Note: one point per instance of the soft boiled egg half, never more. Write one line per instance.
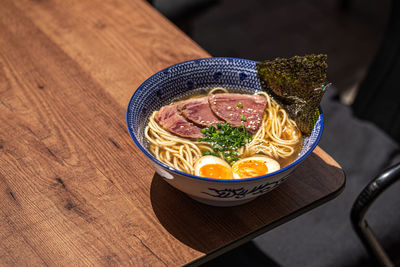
(213, 167)
(254, 166)
(217, 168)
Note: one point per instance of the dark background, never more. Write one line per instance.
(264, 30)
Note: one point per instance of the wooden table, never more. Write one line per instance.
(74, 189)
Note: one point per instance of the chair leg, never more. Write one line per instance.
(373, 246)
(375, 188)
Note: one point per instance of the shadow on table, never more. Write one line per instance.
(215, 230)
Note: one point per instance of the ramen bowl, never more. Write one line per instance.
(193, 78)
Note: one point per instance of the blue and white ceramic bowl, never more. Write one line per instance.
(194, 77)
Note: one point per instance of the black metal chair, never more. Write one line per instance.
(370, 193)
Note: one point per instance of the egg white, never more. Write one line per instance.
(206, 160)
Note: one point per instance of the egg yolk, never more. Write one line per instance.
(250, 168)
(215, 171)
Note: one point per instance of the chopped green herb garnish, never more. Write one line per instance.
(242, 117)
(239, 105)
(205, 153)
(225, 139)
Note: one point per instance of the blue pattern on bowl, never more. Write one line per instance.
(243, 192)
(191, 78)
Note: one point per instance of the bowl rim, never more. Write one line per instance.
(143, 150)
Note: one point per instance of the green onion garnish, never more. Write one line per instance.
(226, 140)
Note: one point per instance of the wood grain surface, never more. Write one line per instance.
(74, 189)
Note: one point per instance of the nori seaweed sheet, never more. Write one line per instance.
(297, 84)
